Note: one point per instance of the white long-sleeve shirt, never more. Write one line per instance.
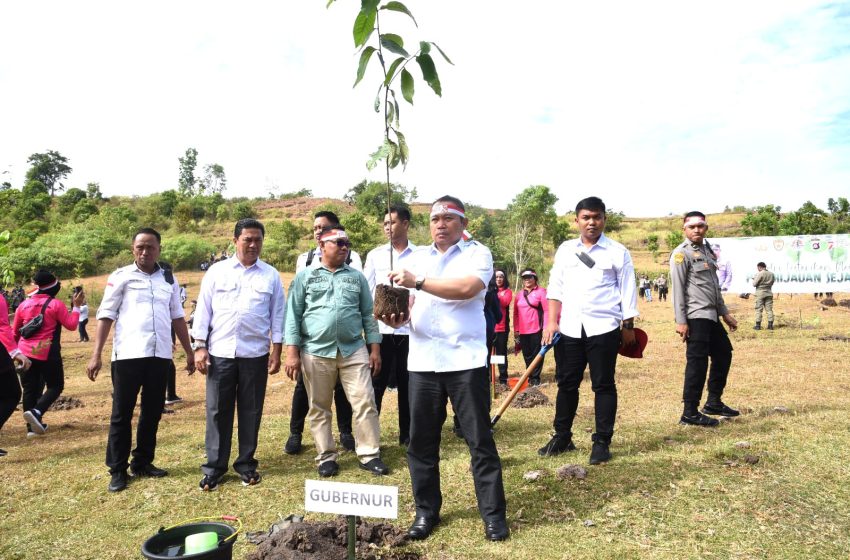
(596, 298)
(240, 309)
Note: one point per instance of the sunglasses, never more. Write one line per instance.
(339, 242)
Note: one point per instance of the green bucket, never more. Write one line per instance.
(192, 541)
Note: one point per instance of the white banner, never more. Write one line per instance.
(802, 264)
(363, 500)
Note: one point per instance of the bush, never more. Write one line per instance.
(242, 210)
(186, 251)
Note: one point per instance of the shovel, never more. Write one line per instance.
(531, 367)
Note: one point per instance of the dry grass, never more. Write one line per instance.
(669, 492)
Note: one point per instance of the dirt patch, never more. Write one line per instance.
(328, 541)
(66, 403)
(571, 471)
(844, 303)
(837, 337)
(829, 302)
(530, 398)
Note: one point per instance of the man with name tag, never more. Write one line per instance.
(447, 362)
(395, 343)
(592, 290)
(143, 300)
(698, 305)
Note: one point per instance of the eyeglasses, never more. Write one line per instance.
(339, 242)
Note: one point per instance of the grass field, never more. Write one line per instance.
(669, 492)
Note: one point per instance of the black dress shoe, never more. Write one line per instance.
(293, 445)
(328, 468)
(375, 466)
(698, 419)
(556, 446)
(149, 470)
(599, 453)
(118, 481)
(346, 440)
(422, 527)
(496, 530)
(719, 409)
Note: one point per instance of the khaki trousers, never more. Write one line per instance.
(320, 377)
(764, 301)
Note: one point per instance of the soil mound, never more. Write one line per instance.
(66, 403)
(530, 398)
(328, 541)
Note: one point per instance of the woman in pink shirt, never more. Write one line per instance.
(531, 310)
(503, 327)
(10, 389)
(43, 348)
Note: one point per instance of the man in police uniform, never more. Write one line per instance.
(143, 300)
(447, 362)
(763, 283)
(698, 305)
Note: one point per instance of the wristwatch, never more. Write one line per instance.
(198, 344)
(629, 324)
(419, 281)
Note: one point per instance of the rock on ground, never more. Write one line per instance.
(66, 403)
(328, 541)
(571, 471)
(530, 398)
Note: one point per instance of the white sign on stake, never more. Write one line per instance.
(497, 359)
(344, 498)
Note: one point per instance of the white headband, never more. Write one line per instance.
(695, 221)
(333, 234)
(446, 208)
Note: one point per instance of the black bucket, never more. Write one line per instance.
(168, 543)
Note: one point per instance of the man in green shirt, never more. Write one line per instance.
(330, 311)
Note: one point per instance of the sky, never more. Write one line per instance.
(657, 107)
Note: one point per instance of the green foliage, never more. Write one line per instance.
(370, 197)
(214, 180)
(674, 238)
(242, 210)
(186, 251)
(83, 210)
(7, 276)
(364, 232)
(67, 201)
(49, 169)
(613, 220)
(839, 215)
(296, 194)
(808, 220)
(33, 202)
(280, 247)
(93, 191)
(562, 230)
(761, 220)
(530, 219)
(652, 243)
(186, 179)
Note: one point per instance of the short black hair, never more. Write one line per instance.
(248, 223)
(453, 200)
(331, 228)
(400, 210)
(693, 213)
(148, 231)
(761, 265)
(590, 203)
(332, 217)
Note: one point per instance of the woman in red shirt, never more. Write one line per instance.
(503, 327)
(43, 348)
(531, 311)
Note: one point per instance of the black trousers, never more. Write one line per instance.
(301, 405)
(84, 336)
(530, 344)
(662, 294)
(234, 385)
(469, 393)
(171, 387)
(10, 389)
(129, 377)
(572, 356)
(394, 351)
(706, 339)
(43, 373)
(500, 343)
